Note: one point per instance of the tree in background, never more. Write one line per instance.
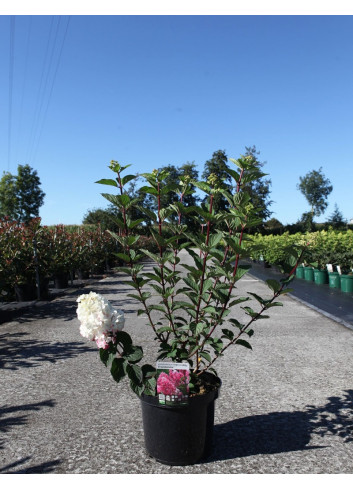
(259, 190)
(316, 188)
(8, 198)
(336, 220)
(218, 166)
(175, 175)
(273, 225)
(21, 195)
(104, 217)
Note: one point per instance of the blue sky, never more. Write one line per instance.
(77, 91)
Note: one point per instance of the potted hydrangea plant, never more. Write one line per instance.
(187, 306)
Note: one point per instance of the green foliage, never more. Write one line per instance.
(259, 189)
(316, 188)
(188, 305)
(50, 250)
(103, 217)
(322, 248)
(336, 219)
(21, 195)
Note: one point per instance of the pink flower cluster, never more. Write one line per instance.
(169, 384)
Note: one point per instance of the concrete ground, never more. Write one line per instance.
(284, 407)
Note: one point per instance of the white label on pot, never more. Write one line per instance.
(339, 269)
(173, 383)
(329, 267)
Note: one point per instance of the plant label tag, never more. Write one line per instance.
(329, 267)
(339, 269)
(173, 383)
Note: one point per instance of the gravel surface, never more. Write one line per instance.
(284, 407)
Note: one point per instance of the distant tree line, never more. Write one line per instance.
(216, 166)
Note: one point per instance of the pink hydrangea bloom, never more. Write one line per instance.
(169, 384)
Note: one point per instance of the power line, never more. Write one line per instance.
(52, 86)
(24, 82)
(11, 65)
(40, 95)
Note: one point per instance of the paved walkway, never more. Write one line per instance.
(284, 407)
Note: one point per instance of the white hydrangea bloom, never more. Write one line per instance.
(97, 316)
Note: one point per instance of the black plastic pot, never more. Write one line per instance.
(180, 435)
(61, 281)
(25, 292)
(82, 274)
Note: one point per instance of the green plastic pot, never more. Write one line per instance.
(320, 277)
(334, 280)
(300, 272)
(309, 274)
(347, 283)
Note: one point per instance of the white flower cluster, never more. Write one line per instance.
(99, 320)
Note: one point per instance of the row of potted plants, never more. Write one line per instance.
(328, 258)
(32, 254)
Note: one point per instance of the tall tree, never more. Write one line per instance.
(217, 166)
(259, 189)
(336, 220)
(8, 198)
(21, 195)
(175, 174)
(316, 188)
(104, 217)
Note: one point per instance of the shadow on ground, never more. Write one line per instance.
(65, 309)
(280, 432)
(12, 416)
(16, 351)
(44, 468)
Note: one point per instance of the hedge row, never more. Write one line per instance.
(32, 251)
(323, 247)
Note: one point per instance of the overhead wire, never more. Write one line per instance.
(40, 95)
(11, 71)
(24, 84)
(50, 66)
(52, 87)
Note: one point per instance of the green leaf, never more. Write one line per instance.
(236, 323)
(205, 355)
(123, 338)
(258, 298)
(107, 181)
(124, 200)
(273, 285)
(133, 354)
(244, 343)
(148, 371)
(242, 270)
(134, 296)
(154, 257)
(137, 388)
(156, 307)
(164, 329)
(202, 186)
(285, 291)
(149, 190)
(127, 178)
(214, 240)
(191, 283)
(134, 373)
(228, 333)
(123, 257)
(238, 301)
(118, 369)
(207, 284)
(104, 355)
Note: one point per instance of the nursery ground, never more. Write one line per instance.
(284, 407)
